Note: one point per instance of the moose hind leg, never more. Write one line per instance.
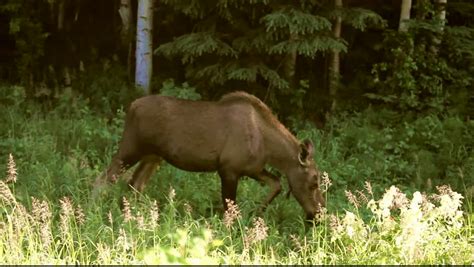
(275, 187)
(144, 171)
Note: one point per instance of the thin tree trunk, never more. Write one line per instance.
(404, 15)
(126, 16)
(440, 6)
(289, 64)
(335, 62)
(144, 53)
(61, 15)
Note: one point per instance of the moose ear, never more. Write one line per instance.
(306, 151)
(308, 146)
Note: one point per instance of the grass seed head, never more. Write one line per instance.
(11, 171)
(79, 214)
(6, 194)
(154, 214)
(40, 210)
(352, 199)
(368, 187)
(325, 182)
(126, 211)
(67, 211)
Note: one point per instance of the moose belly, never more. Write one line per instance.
(193, 161)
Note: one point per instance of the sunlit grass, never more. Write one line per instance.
(423, 229)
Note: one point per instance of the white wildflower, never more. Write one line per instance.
(354, 226)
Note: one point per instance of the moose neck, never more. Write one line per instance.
(283, 149)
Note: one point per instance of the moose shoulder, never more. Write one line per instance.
(235, 136)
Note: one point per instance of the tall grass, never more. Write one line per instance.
(47, 216)
(398, 230)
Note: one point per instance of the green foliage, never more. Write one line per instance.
(359, 18)
(294, 21)
(104, 87)
(414, 80)
(27, 29)
(195, 45)
(422, 73)
(184, 91)
(245, 44)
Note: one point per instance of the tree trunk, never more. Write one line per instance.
(125, 12)
(144, 53)
(404, 15)
(61, 15)
(335, 62)
(440, 13)
(289, 64)
(126, 16)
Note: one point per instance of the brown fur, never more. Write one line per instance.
(236, 136)
(263, 109)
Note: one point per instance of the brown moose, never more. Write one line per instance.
(235, 136)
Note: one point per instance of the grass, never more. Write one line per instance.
(47, 216)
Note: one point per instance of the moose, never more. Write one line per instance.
(236, 136)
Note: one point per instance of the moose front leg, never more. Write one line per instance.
(229, 183)
(275, 187)
(118, 165)
(144, 171)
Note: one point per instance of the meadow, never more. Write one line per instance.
(397, 193)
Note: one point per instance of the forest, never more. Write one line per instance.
(384, 89)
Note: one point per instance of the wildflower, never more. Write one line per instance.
(127, 213)
(231, 214)
(188, 207)
(352, 199)
(296, 242)
(171, 194)
(11, 171)
(67, 210)
(154, 214)
(325, 182)
(110, 218)
(79, 214)
(399, 199)
(140, 221)
(444, 189)
(122, 240)
(354, 227)
(368, 187)
(385, 204)
(449, 208)
(257, 233)
(362, 196)
(413, 228)
(372, 205)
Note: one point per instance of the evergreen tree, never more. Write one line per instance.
(263, 46)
